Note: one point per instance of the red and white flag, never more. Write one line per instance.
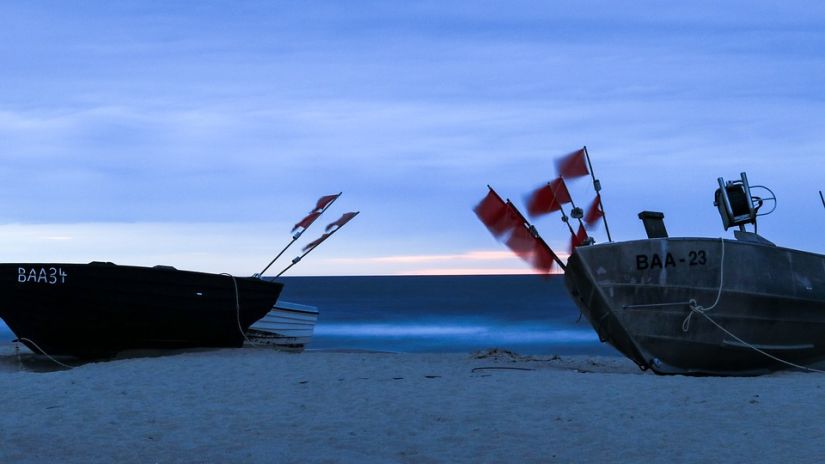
(548, 198)
(594, 212)
(309, 246)
(572, 165)
(345, 218)
(307, 221)
(324, 201)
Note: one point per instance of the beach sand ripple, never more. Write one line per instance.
(263, 406)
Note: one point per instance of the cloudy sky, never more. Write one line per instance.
(195, 134)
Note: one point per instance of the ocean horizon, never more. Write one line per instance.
(529, 314)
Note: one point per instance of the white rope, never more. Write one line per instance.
(44, 353)
(694, 307)
(698, 309)
(777, 359)
(238, 309)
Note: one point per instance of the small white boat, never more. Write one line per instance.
(287, 325)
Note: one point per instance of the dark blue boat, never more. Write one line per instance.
(99, 309)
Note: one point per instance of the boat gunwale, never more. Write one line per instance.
(708, 239)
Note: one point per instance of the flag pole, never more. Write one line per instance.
(535, 233)
(564, 217)
(296, 236)
(295, 261)
(576, 216)
(572, 212)
(566, 220)
(298, 259)
(598, 187)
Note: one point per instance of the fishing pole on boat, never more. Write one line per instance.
(822, 198)
(321, 205)
(333, 226)
(598, 187)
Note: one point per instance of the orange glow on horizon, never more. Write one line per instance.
(478, 271)
(476, 255)
(475, 262)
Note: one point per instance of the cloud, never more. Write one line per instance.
(245, 114)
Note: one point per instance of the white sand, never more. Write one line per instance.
(257, 405)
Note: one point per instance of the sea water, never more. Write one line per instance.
(525, 313)
(528, 314)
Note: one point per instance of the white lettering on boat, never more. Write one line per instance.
(43, 275)
(655, 261)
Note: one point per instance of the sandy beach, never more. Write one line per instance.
(263, 406)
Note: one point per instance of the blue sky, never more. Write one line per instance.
(196, 134)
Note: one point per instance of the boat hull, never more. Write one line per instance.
(99, 309)
(288, 325)
(638, 297)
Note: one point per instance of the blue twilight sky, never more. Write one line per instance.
(196, 133)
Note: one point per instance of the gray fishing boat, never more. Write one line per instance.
(703, 305)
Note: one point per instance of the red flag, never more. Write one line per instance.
(560, 191)
(316, 242)
(578, 239)
(522, 242)
(531, 249)
(544, 258)
(495, 214)
(594, 212)
(572, 165)
(542, 201)
(345, 218)
(307, 221)
(548, 198)
(324, 201)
